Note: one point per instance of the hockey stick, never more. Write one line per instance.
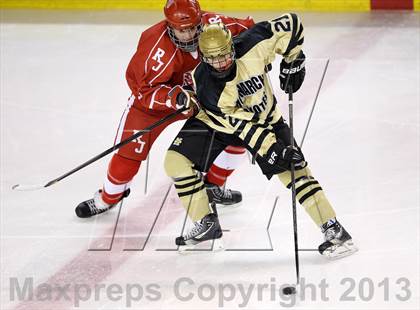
(292, 176)
(23, 187)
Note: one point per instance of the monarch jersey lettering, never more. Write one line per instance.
(249, 88)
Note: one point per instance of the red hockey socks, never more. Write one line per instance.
(225, 164)
(121, 171)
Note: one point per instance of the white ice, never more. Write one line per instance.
(62, 93)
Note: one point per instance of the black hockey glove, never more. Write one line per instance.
(293, 155)
(279, 155)
(292, 74)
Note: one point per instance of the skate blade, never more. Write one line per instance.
(215, 245)
(220, 206)
(340, 251)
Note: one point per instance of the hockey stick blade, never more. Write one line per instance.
(32, 187)
(22, 188)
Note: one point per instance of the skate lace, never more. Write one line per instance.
(332, 233)
(198, 227)
(224, 193)
(92, 207)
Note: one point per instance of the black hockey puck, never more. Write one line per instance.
(289, 290)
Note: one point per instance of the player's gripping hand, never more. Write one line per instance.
(293, 155)
(292, 74)
(284, 156)
(181, 98)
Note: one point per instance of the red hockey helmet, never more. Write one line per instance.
(185, 16)
(182, 14)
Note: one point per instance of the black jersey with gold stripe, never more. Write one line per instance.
(243, 103)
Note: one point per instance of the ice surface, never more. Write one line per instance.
(62, 93)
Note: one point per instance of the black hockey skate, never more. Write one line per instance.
(338, 242)
(206, 229)
(223, 197)
(95, 205)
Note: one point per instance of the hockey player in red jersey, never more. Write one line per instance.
(166, 54)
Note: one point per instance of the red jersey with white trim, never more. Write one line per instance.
(158, 65)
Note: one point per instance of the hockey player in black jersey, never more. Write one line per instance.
(238, 107)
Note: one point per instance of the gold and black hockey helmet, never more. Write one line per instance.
(215, 40)
(216, 46)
